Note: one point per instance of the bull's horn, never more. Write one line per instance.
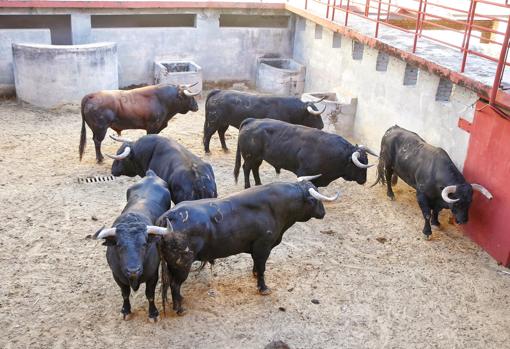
(188, 86)
(155, 230)
(482, 190)
(321, 197)
(368, 150)
(124, 154)
(447, 191)
(120, 139)
(190, 94)
(308, 178)
(104, 233)
(355, 159)
(315, 112)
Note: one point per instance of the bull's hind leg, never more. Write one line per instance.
(255, 168)
(260, 254)
(389, 180)
(246, 171)
(98, 137)
(150, 290)
(209, 130)
(425, 209)
(221, 133)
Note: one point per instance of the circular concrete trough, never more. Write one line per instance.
(51, 75)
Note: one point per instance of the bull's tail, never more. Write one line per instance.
(165, 281)
(238, 161)
(380, 172)
(83, 136)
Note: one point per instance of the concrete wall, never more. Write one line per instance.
(47, 75)
(226, 53)
(383, 99)
(7, 38)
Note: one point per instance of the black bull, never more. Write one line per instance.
(299, 149)
(132, 252)
(147, 108)
(252, 221)
(188, 177)
(230, 108)
(428, 169)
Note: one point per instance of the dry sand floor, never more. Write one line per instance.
(378, 283)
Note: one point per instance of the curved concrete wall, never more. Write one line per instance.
(50, 75)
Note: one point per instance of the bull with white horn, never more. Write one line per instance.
(251, 221)
(131, 242)
(438, 183)
(301, 150)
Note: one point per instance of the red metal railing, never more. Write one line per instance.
(429, 15)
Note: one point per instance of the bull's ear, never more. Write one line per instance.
(110, 241)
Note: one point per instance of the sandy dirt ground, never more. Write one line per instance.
(378, 283)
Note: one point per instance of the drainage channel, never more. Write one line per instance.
(96, 179)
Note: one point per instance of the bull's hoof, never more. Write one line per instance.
(181, 311)
(265, 292)
(436, 226)
(428, 237)
(100, 161)
(225, 150)
(254, 273)
(153, 320)
(126, 316)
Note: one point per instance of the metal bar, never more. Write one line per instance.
(418, 26)
(501, 66)
(465, 47)
(423, 17)
(347, 12)
(333, 11)
(367, 7)
(388, 11)
(327, 9)
(378, 20)
(306, 4)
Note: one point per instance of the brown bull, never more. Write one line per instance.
(147, 108)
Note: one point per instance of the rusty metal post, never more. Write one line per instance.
(424, 14)
(418, 26)
(306, 4)
(327, 9)
(367, 7)
(378, 19)
(388, 11)
(465, 46)
(347, 12)
(333, 11)
(501, 65)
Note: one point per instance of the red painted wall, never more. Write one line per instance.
(488, 163)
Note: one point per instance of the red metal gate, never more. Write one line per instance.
(488, 163)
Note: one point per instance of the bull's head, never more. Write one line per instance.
(130, 242)
(313, 207)
(358, 164)
(313, 115)
(459, 197)
(124, 163)
(187, 98)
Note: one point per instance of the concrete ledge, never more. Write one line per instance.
(49, 75)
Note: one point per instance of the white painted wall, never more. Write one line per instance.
(7, 38)
(383, 100)
(223, 53)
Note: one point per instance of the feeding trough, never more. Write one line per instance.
(280, 76)
(178, 73)
(338, 117)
